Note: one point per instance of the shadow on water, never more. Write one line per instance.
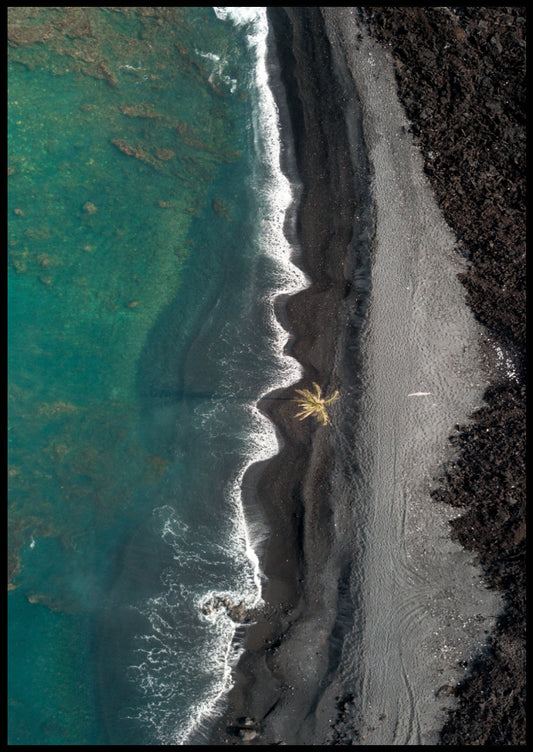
(162, 395)
(177, 371)
(142, 559)
(161, 366)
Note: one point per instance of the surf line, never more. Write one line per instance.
(277, 196)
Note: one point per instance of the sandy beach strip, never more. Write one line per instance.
(292, 489)
(358, 558)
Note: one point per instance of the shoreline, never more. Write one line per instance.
(292, 488)
(298, 610)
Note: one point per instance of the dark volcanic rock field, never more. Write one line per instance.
(461, 78)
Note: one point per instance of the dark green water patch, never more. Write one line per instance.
(120, 123)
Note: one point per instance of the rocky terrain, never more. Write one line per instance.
(461, 78)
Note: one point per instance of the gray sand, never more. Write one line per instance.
(391, 610)
(412, 605)
(423, 605)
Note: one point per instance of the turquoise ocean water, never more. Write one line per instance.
(146, 248)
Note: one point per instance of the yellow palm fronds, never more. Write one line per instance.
(313, 403)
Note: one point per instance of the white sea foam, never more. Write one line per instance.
(276, 192)
(187, 648)
(208, 55)
(276, 196)
(188, 644)
(218, 74)
(274, 201)
(126, 66)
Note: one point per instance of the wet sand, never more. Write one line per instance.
(293, 488)
(372, 611)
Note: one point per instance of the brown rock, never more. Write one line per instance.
(248, 735)
(133, 151)
(165, 154)
(445, 691)
(19, 264)
(220, 209)
(246, 721)
(140, 110)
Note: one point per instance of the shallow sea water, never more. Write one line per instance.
(146, 247)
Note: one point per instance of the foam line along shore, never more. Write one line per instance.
(358, 567)
(293, 487)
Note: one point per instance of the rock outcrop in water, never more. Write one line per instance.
(240, 613)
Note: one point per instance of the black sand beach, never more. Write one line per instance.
(292, 488)
(461, 81)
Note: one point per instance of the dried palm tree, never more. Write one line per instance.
(314, 403)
